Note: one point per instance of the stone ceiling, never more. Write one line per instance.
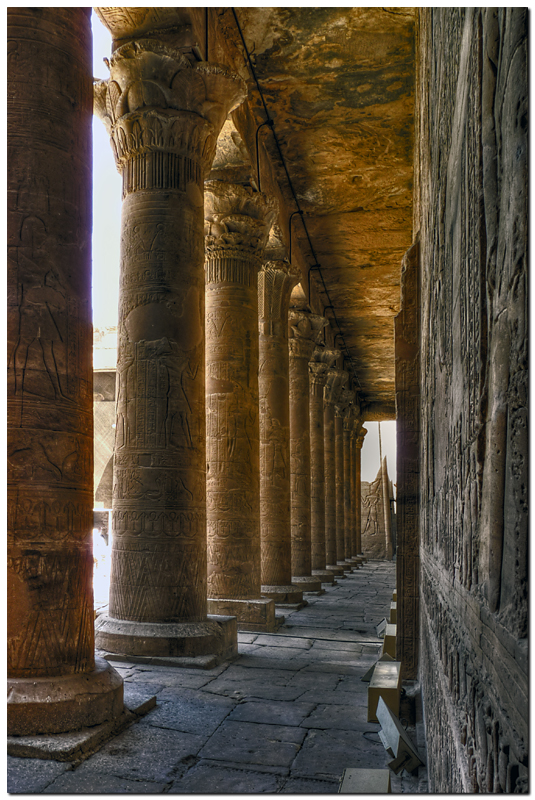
(339, 85)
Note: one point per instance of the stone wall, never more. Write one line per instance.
(375, 538)
(471, 213)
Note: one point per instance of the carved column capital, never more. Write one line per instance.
(326, 355)
(305, 332)
(275, 283)
(317, 374)
(360, 438)
(160, 110)
(336, 379)
(237, 223)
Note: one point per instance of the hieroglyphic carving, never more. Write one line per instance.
(163, 116)
(472, 457)
(276, 281)
(375, 505)
(49, 448)
(237, 223)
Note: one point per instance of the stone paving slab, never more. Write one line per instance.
(254, 743)
(32, 775)
(273, 712)
(324, 751)
(69, 783)
(309, 786)
(190, 711)
(142, 752)
(204, 779)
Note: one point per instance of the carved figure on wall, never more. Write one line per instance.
(371, 504)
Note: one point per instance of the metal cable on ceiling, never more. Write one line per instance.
(270, 122)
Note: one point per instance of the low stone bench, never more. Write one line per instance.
(385, 683)
(393, 612)
(389, 640)
(396, 741)
(365, 781)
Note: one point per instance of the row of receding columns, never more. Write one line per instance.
(233, 490)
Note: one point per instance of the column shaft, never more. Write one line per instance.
(276, 280)
(339, 481)
(158, 585)
(238, 222)
(347, 424)
(318, 373)
(301, 348)
(54, 683)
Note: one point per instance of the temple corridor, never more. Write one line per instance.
(287, 716)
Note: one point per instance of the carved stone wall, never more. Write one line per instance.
(472, 217)
(407, 343)
(374, 533)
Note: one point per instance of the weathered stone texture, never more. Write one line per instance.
(407, 343)
(275, 283)
(375, 536)
(472, 216)
(163, 116)
(53, 683)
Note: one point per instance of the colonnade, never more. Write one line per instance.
(236, 464)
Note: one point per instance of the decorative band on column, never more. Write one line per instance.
(236, 269)
(159, 170)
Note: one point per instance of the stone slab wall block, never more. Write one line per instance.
(54, 682)
(163, 114)
(471, 217)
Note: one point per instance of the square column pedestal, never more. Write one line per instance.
(252, 615)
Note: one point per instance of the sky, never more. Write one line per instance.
(106, 202)
(106, 238)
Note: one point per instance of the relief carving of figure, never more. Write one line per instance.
(41, 345)
(371, 504)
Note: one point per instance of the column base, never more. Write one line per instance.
(338, 572)
(252, 615)
(344, 564)
(216, 636)
(355, 563)
(307, 583)
(324, 575)
(284, 596)
(64, 703)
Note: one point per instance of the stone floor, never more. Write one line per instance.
(288, 716)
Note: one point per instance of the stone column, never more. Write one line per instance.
(55, 684)
(318, 369)
(275, 284)
(238, 221)
(347, 431)
(358, 479)
(330, 395)
(340, 410)
(304, 333)
(353, 471)
(164, 116)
